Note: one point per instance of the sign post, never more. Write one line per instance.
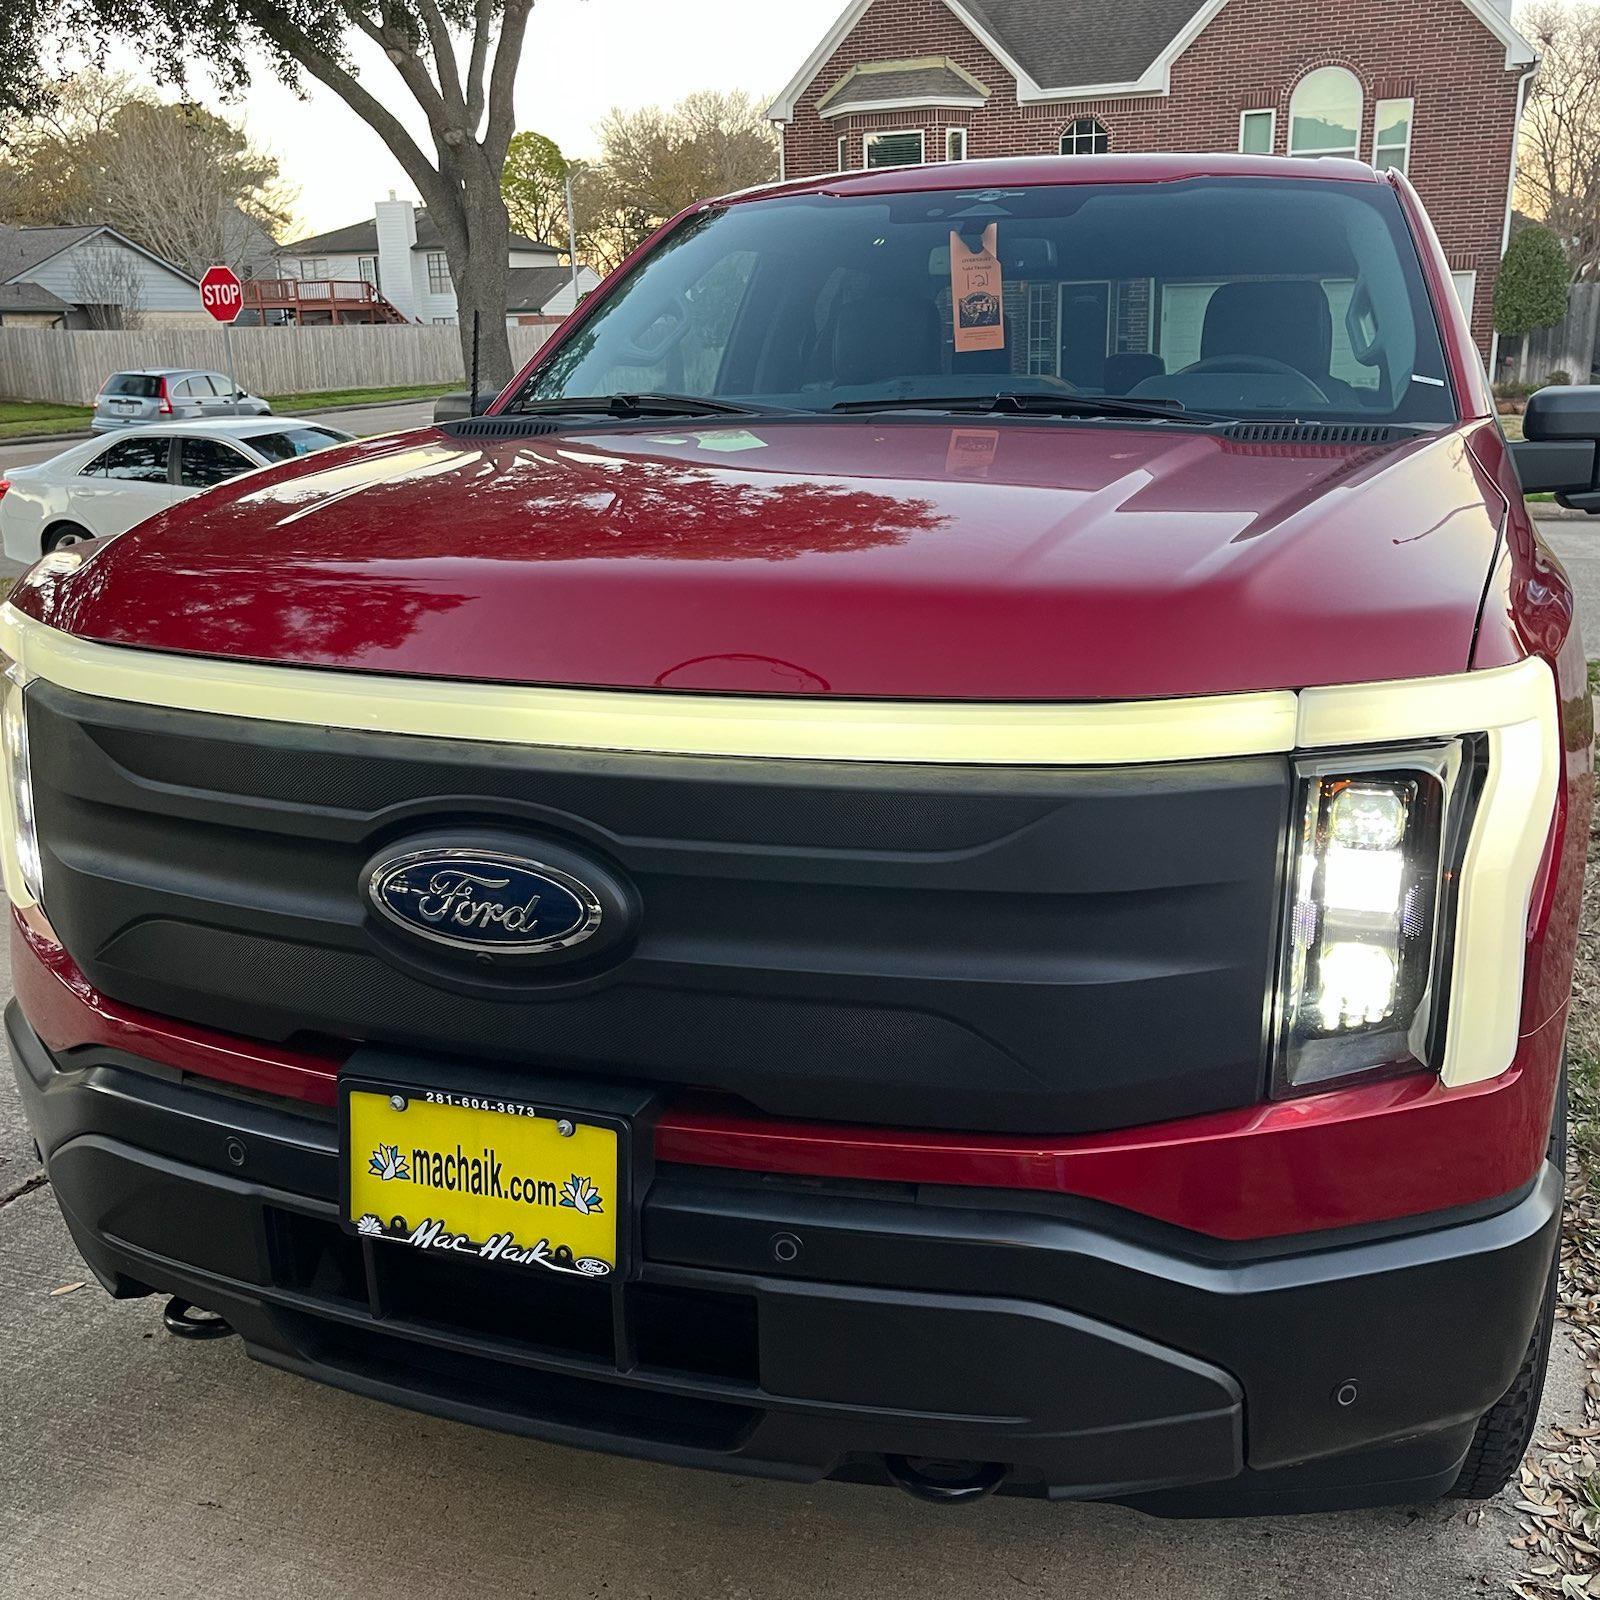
(222, 295)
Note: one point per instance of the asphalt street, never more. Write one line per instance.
(135, 1466)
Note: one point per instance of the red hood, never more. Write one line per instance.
(859, 558)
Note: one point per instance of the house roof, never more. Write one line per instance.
(1066, 49)
(361, 238)
(920, 80)
(1082, 41)
(531, 289)
(30, 297)
(24, 249)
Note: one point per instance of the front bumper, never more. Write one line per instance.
(1092, 1353)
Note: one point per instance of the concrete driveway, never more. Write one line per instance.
(1577, 543)
(135, 1466)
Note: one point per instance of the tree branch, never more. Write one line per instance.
(401, 51)
(503, 81)
(444, 60)
(482, 31)
(366, 105)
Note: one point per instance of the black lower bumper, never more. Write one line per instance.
(803, 1330)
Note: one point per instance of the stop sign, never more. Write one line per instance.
(220, 293)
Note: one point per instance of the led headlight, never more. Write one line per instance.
(19, 784)
(1367, 903)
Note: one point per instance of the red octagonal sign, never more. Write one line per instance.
(220, 293)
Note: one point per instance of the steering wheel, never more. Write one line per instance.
(1267, 365)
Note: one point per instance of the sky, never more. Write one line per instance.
(581, 58)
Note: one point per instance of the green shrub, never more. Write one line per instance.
(1558, 377)
(1531, 291)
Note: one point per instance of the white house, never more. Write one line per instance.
(82, 277)
(400, 253)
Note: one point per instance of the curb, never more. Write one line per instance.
(321, 411)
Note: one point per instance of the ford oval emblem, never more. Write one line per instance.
(484, 900)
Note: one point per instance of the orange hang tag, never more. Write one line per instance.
(975, 293)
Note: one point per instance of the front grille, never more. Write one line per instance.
(1009, 950)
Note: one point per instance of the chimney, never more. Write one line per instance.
(397, 233)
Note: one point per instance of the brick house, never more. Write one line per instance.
(1433, 86)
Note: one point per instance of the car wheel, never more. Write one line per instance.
(64, 534)
(1506, 1429)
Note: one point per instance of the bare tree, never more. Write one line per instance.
(184, 183)
(653, 163)
(181, 180)
(106, 282)
(1558, 172)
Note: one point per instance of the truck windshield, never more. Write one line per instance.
(1245, 297)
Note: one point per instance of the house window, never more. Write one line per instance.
(1044, 343)
(844, 153)
(1391, 139)
(893, 149)
(1258, 132)
(438, 272)
(1085, 136)
(1325, 114)
(1466, 287)
(955, 144)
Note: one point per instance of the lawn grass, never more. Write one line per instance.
(37, 416)
(287, 404)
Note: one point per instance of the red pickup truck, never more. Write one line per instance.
(840, 886)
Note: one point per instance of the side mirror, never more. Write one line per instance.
(1559, 452)
(453, 407)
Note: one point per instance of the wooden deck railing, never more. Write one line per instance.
(267, 294)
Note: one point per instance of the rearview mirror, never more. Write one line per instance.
(453, 407)
(1559, 452)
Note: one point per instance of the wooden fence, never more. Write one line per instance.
(68, 367)
(1569, 347)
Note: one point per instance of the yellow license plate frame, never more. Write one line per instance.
(483, 1178)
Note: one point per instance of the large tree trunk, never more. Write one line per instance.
(479, 264)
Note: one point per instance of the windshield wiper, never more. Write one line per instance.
(641, 405)
(1011, 403)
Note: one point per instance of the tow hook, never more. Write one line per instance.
(945, 1483)
(185, 1321)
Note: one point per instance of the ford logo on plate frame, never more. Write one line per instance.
(488, 901)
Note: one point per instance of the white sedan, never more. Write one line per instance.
(106, 485)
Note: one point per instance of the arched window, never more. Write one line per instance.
(1325, 114)
(1085, 136)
